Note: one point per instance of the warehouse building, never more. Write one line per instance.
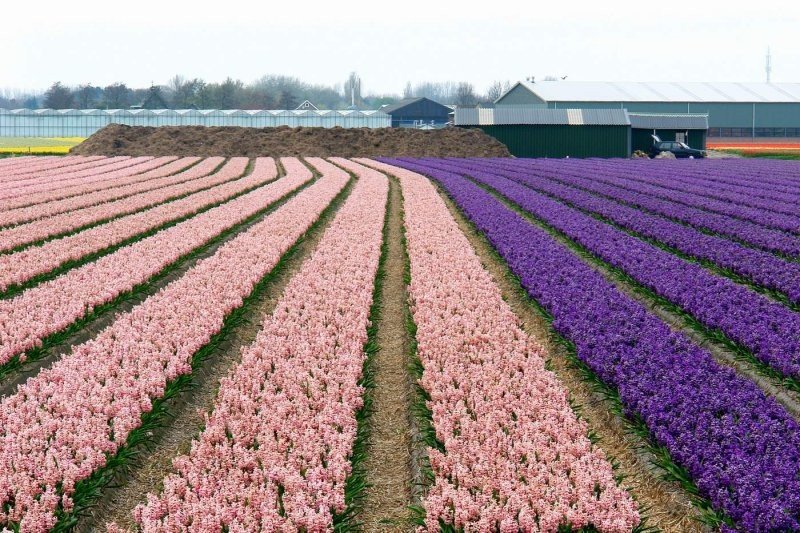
(542, 132)
(418, 112)
(734, 109)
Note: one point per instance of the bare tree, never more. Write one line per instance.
(496, 90)
(58, 96)
(408, 92)
(465, 94)
(352, 89)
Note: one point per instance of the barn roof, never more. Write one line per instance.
(662, 121)
(471, 116)
(390, 109)
(608, 91)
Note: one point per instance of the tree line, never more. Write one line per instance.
(267, 92)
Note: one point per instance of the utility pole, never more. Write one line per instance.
(769, 65)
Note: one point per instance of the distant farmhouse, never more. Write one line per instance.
(418, 113)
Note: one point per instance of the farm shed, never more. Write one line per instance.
(689, 129)
(541, 132)
(415, 112)
(754, 110)
(85, 122)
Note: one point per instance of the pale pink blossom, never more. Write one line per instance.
(54, 202)
(62, 223)
(284, 420)
(59, 426)
(19, 267)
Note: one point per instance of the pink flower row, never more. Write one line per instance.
(31, 166)
(97, 174)
(54, 305)
(274, 455)
(37, 168)
(62, 223)
(53, 202)
(61, 425)
(19, 267)
(515, 457)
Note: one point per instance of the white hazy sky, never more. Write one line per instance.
(390, 43)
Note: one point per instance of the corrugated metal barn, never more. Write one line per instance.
(689, 129)
(84, 122)
(417, 112)
(541, 132)
(733, 109)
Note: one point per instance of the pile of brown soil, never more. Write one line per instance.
(116, 139)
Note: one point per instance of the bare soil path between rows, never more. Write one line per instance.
(388, 465)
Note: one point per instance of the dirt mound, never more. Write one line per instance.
(117, 139)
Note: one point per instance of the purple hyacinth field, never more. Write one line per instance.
(676, 286)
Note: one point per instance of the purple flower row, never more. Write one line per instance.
(775, 175)
(762, 175)
(762, 268)
(741, 448)
(768, 329)
(709, 177)
(759, 217)
(632, 180)
(757, 236)
(676, 176)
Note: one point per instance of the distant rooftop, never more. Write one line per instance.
(608, 91)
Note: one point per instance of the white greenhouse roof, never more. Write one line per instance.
(201, 112)
(608, 91)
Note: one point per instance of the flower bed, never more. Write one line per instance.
(274, 454)
(741, 448)
(515, 456)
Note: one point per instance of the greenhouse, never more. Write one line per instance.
(84, 122)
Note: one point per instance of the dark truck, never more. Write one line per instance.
(679, 149)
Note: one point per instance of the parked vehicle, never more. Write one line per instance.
(679, 149)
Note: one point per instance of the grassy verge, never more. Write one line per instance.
(90, 490)
(61, 336)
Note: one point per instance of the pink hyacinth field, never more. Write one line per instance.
(234, 344)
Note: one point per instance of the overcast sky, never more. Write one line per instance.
(390, 43)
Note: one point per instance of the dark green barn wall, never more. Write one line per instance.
(562, 141)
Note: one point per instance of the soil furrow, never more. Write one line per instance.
(388, 467)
